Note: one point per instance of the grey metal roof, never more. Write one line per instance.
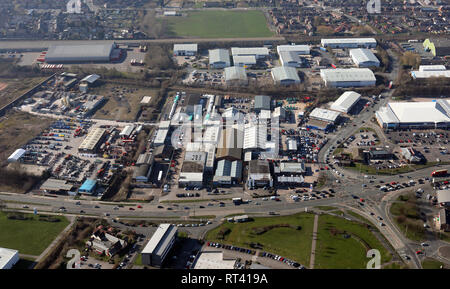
(289, 57)
(160, 239)
(79, 52)
(235, 73)
(361, 55)
(350, 74)
(345, 102)
(228, 168)
(283, 73)
(244, 59)
(185, 47)
(250, 51)
(219, 55)
(348, 41)
(262, 102)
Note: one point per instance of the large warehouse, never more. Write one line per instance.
(417, 74)
(363, 57)
(346, 101)
(349, 42)
(185, 49)
(299, 49)
(79, 53)
(285, 75)
(235, 75)
(326, 115)
(351, 77)
(432, 114)
(290, 58)
(156, 250)
(258, 52)
(244, 60)
(92, 141)
(219, 58)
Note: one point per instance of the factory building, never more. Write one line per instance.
(437, 47)
(433, 114)
(349, 42)
(285, 75)
(235, 75)
(262, 102)
(258, 52)
(259, 174)
(213, 260)
(244, 60)
(219, 58)
(161, 136)
(255, 136)
(346, 101)
(432, 68)
(88, 187)
(326, 115)
(192, 169)
(363, 57)
(56, 186)
(143, 167)
(279, 112)
(227, 172)
(298, 49)
(92, 141)
(85, 53)
(8, 258)
(159, 246)
(16, 155)
(230, 144)
(430, 73)
(290, 58)
(185, 49)
(351, 77)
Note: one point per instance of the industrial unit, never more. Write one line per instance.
(298, 49)
(213, 260)
(8, 258)
(219, 58)
(262, 102)
(364, 57)
(156, 250)
(259, 174)
(244, 60)
(285, 75)
(290, 58)
(433, 114)
(351, 77)
(346, 101)
(430, 73)
(92, 141)
(185, 49)
(227, 172)
(79, 53)
(349, 42)
(235, 75)
(258, 52)
(324, 115)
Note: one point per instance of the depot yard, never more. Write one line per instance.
(344, 244)
(18, 128)
(30, 236)
(13, 88)
(220, 24)
(123, 102)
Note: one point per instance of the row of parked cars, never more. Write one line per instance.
(229, 247)
(282, 259)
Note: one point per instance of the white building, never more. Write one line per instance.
(258, 52)
(244, 60)
(255, 136)
(219, 58)
(351, 77)
(156, 250)
(235, 75)
(349, 42)
(363, 57)
(290, 58)
(430, 73)
(432, 68)
(16, 155)
(324, 115)
(299, 49)
(346, 101)
(213, 260)
(161, 136)
(415, 114)
(285, 75)
(185, 49)
(8, 258)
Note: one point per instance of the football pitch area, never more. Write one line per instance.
(220, 24)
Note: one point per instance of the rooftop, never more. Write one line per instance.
(349, 74)
(160, 239)
(346, 101)
(213, 260)
(285, 73)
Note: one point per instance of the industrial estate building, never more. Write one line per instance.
(156, 250)
(324, 115)
(285, 75)
(364, 57)
(185, 49)
(258, 52)
(290, 58)
(262, 102)
(351, 77)
(219, 58)
(213, 260)
(16, 155)
(8, 258)
(259, 174)
(346, 101)
(80, 53)
(227, 172)
(235, 75)
(433, 114)
(244, 60)
(92, 141)
(298, 49)
(349, 42)
(430, 73)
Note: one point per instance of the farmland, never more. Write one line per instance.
(220, 24)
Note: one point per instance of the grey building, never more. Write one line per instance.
(157, 249)
(262, 102)
(79, 53)
(285, 75)
(219, 58)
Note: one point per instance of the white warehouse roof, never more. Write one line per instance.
(346, 101)
(432, 68)
(219, 55)
(240, 60)
(347, 75)
(235, 73)
(300, 49)
(91, 78)
(16, 155)
(427, 73)
(348, 41)
(160, 239)
(363, 56)
(324, 114)
(415, 112)
(79, 53)
(8, 257)
(285, 73)
(185, 47)
(261, 51)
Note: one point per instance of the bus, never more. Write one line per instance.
(439, 173)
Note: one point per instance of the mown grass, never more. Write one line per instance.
(407, 218)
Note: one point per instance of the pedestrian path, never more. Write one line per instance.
(314, 239)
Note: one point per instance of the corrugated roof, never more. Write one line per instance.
(348, 41)
(91, 78)
(92, 139)
(160, 239)
(324, 114)
(362, 55)
(345, 102)
(299, 49)
(244, 59)
(283, 73)
(185, 47)
(262, 102)
(16, 155)
(235, 73)
(427, 74)
(349, 74)
(250, 51)
(219, 55)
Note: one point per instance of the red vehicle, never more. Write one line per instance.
(439, 173)
(361, 200)
(139, 206)
(334, 66)
(419, 252)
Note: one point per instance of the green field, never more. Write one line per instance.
(429, 263)
(334, 251)
(290, 242)
(29, 236)
(220, 24)
(407, 218)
